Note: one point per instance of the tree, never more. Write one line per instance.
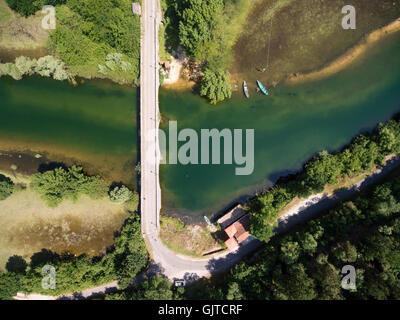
(290, 252)
(156, 288)
(197, 24)
(58, 184)
(388, 137)
(234, 292)
(23, 7)
(120, 194)
(215, 86)
(6, 187)
(130, 255)
(308, 243)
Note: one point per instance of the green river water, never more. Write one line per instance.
(292, 124)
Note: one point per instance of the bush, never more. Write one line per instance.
(47, 66)
(120, 194)
(6, 187)
(10, 284)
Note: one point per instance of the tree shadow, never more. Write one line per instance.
(224, 264)
(43, 256)
(16, 264)
(153, 270)
(43, 167)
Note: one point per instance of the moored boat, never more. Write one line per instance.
(262, 88)
(246, 90)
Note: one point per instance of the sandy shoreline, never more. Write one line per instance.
(22, 153)
(348, 57)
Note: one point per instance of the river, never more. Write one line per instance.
(95, 123)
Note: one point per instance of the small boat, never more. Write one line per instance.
(262, 88)
(246, 90)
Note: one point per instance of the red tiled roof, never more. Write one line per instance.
(231, 243)
(238, 231)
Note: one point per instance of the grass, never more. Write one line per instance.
(27, 225)
(188, 240)
(5, 12)
(305, 35)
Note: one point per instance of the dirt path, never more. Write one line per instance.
(307, 208)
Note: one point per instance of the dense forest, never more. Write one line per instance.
(306, 263)
(364, 152)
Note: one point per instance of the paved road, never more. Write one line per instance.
(169, 263)
(150, 192)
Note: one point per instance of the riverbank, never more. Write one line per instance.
(189, 240)
(349, 57)
(305, 209)
(93, 125)
(27, 157)
(356, 52)
(21, 36)
(28, 225)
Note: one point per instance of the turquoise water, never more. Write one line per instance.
(290, 126)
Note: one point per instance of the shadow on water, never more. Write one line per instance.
(43, 167)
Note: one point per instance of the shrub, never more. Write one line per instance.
(120, 194)
(47, 66)
(6, 187)
(10, 284)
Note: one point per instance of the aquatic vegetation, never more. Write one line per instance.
(47, 66)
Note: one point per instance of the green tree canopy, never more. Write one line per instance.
(216, 86)
(6, 187)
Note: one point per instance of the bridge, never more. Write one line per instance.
(169, 263)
